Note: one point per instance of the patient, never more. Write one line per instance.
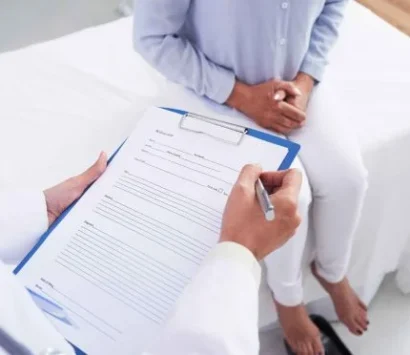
(264, 58)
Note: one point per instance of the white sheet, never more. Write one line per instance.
(65, 100)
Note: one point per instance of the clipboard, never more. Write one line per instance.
(234, 130)
(292, 147)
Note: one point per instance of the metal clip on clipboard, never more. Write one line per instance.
(226, 132)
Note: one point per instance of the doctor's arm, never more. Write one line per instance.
(156, 27)
(26, 214)
(218, 311)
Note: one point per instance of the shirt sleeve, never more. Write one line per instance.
(218, 311)
(156, 28)
(23, 219)
(324, 36)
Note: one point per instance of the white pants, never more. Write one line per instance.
(332, 160)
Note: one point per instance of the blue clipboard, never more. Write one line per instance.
(292, 147)
(293, 150)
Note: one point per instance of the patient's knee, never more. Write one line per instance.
(355, 179)
(349, 180)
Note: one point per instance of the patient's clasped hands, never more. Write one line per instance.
(276, 104)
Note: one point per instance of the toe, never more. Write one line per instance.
(365, 317)
(352, 326)
(355, 331)
(362, 305)
(362, 323)
(318, 347)
(303, 349)
(359, 327)
(299, 348)
(293, 346)
(309, 349)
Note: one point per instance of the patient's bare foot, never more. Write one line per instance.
(300, 332)
(349, 308)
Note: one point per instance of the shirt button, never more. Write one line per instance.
(282, 41)
(285, 5)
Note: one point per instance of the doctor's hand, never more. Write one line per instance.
(265, 104)
(59, 197)
(244, 222)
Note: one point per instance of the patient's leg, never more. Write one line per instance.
(333, 163)
(285, 281)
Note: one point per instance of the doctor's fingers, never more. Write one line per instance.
(93, 172)
(289, 189)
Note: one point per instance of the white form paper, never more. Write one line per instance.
(119, 260)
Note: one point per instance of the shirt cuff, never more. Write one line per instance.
(222, 86)
(313, 68)
(236, 253)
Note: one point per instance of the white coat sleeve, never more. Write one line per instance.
(218, 311)
(23, 218)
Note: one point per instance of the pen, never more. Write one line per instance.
(264, 201)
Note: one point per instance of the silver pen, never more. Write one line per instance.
(264, 201)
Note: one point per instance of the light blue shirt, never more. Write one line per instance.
(206, 44)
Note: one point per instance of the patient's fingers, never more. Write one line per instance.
(280, 95)
(286, 122)
(276, 127)
(289, 87)
(292, 112)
